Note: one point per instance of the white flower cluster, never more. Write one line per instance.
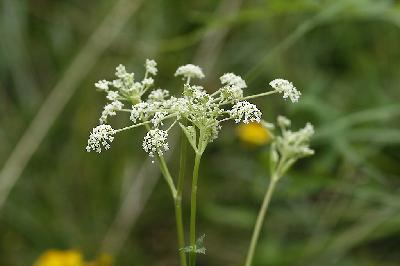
(102, 85)
(201, 112)
(287, 88)
(294, 144)
(110, 110)
(158, 95)
(190, 71)
(151, 67)
(101, 135)
(155, 141)
(246, 112)
(158, 118)
(139, 111)
(233, 89)
(125, 88)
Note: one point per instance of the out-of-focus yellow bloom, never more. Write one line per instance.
(71, 258)
(253, 133)
(60, 258)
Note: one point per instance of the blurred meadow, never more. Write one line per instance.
(338, 207)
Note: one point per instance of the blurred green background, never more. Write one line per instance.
(339, 207)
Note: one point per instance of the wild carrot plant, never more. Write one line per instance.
(200, 116)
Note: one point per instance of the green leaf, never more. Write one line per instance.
(198, 248)
(187, 249)
(190, 133)
(201, 250)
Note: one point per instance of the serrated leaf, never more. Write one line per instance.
(190, 133)
(200, 241)
(187, 249)
(201, 250)
(200, 245)
(198, 248)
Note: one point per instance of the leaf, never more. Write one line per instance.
(198, 248)
(190, 133)
(201, 250)
(200, 245)
(200, 241)
(187, 249)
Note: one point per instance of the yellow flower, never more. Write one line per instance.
(60, 258)
(253, 133)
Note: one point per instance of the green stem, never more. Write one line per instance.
(192, 257)
(260, 220)
(167, 175)
(178, 200)
(259, 95)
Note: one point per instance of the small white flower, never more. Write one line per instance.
(246, 112)
(196, 94)
(112, 95)
(139, 111)
(135, 88)
(151, 67)
(110, 110)
(155, 141)
(117, 83)
(148, 82)
(283, 121)
(189, 71)
(102, 85)
(287, 88)
(158, 118)
(233, 80)
(120, 71)
(158, 95)
(294, 144)
(177, 105)
(101, 135)
(233, 89)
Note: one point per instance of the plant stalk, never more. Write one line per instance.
(259, 95)
(192, 256)
(167, 176)
(178, 200)
(260, 220)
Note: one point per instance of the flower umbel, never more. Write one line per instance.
(190, 71)
(233, 89)
(246, 112)
(151, 67)
(155, 142)
(294, 144)
(102, 85)
(101, 135)
(290, 146)
(287, 88)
